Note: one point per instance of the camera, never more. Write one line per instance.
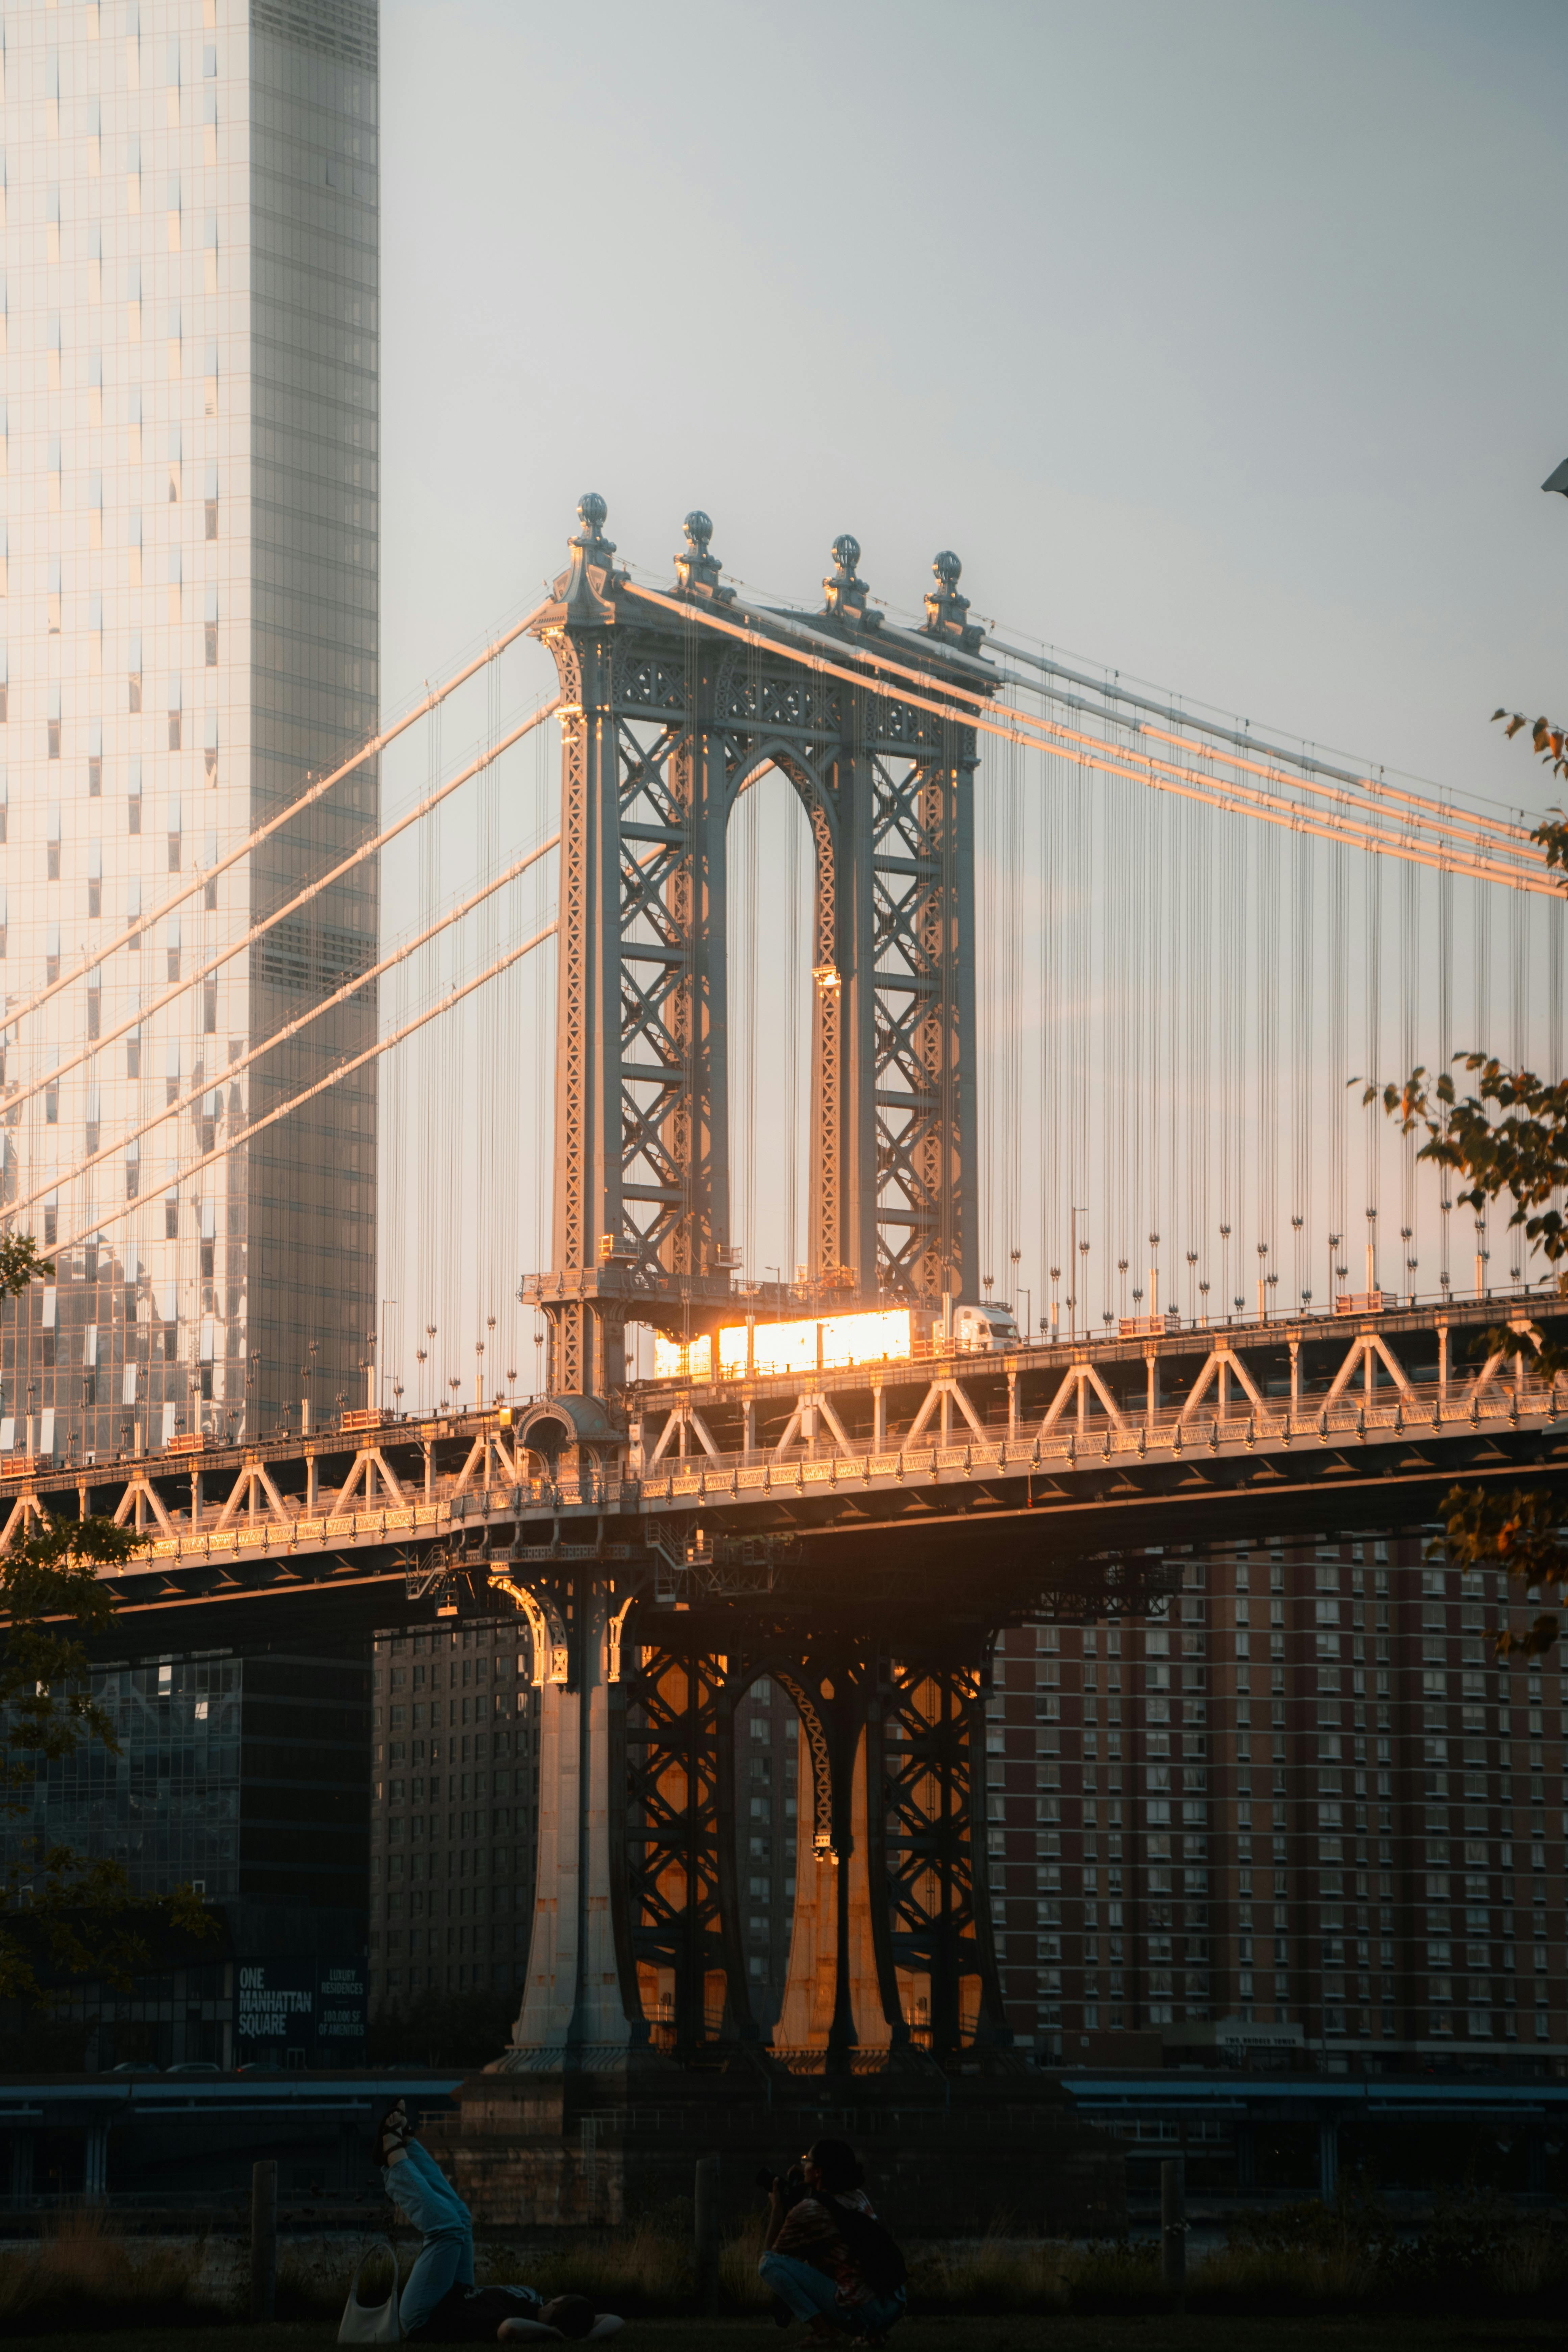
(791, 2185)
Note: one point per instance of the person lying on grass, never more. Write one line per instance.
(440, 2304)
(826, 2255)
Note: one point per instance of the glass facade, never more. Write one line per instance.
(246, 1778)
(167, 1806)
(188, 630)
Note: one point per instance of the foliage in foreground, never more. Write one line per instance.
(64, 1916)
(1477, 2254)
(1507, 1139)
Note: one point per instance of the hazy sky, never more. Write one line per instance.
(1225, 344)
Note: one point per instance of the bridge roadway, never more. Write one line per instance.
(1159, 1438)
(860, 1535)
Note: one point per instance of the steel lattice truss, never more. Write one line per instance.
(931, 1736)
(678, 1933)
(675, 1886)
(664, 725)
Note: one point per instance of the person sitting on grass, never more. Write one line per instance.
(440, 2304)
(827, 2257)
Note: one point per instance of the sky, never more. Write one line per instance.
(1224, 344)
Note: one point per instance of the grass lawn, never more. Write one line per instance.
(1048, 2333)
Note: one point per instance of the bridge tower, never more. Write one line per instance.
(672, 704)
(666, 719)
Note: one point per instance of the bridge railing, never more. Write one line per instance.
(1171, 1428)
(976, 1445)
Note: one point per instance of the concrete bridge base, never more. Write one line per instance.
(637, 1950)
(944, 2156)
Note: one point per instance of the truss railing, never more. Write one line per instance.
(985, 1452)
(257, 1517)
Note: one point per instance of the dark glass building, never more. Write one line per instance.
(246, 1778)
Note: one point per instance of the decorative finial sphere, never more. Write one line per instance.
(845, 550)
(698, 530)
(947, 568)
(591, 509)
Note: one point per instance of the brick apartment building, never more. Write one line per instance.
(454, 1802)
(1306, 1805)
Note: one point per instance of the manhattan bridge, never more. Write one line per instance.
(852, 1476)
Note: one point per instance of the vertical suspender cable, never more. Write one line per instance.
(1444, 1057)
(1339, 1072)
(1372, 1115)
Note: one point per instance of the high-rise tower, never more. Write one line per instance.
(190, 628)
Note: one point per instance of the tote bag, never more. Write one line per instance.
(372, 2323)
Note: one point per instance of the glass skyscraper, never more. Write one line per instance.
(188, 630)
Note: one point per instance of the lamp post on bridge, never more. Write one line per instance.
(1074, 1247)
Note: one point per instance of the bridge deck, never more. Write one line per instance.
(1044, 1430)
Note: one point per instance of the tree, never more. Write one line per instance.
(61, 1916)
(1548, 739)
(1507, 1138)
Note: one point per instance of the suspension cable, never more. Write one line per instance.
(1457, 818)
(454, 995)
(1137, 767)
(368, 751)
(399, 954)
(291, 906)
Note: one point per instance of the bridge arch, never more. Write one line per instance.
(568, 1434)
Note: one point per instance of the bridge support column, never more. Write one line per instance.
(839, 1995)
(637, 1929)
(833, 1996)
(892, 1936)
(574, 2013)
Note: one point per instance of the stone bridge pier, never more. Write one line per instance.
(636, 1943)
